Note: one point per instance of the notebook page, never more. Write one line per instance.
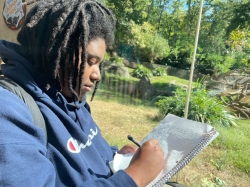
(177, 137)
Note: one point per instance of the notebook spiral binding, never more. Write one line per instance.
(186, 159)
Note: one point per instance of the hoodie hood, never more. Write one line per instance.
(75, 154)
(18, 68)
(23, 72)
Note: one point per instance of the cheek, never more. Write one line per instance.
(85, 77)
(87, 71)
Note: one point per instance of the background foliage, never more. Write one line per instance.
(163, 31)
(203, 107)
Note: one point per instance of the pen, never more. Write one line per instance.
(134, 141)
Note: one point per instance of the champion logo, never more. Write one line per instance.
(74, 147)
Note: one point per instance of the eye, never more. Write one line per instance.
(93, 61)
(90, 62)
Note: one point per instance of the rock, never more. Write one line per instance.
(132, 65)
(117, 70)
(148, 65)
(145, 89)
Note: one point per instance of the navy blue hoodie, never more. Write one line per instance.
(75, 155)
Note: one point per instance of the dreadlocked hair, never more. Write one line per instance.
(53, 32)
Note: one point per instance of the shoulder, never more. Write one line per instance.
(10, 101)
(16, 121)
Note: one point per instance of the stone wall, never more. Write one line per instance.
(181, 73)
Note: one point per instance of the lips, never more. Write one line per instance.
(87, 88)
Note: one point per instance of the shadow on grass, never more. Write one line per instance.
(165, 86)
(126, 91)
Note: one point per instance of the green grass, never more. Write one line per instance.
(119, 114)
(234, 143)
(226, 158)
(162, 83)
(161, 80)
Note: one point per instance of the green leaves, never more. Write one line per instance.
(203, 107)
(140, 71)
(160, 71)
(147, 43)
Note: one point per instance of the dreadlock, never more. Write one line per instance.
(53, 32)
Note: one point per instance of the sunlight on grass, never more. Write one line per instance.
(168, 79)
(117, 121)
(236, 141)
(227, 158)
(118, 114)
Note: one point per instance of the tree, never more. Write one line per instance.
(240, 17)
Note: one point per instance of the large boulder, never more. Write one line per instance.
(145, 89)
(129, 64)
(148, 65)
(117, 70)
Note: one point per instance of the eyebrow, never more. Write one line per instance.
(94, 56)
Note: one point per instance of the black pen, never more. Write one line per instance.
(134, 141)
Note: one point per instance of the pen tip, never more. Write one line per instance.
(130, 137)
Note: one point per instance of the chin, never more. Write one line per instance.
(82, 97)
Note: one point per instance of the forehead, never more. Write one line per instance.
(97, 44)
(96, 47)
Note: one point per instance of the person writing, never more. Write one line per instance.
(59, 60)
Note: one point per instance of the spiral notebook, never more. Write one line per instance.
(181, 140)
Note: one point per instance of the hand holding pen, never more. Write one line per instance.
(134, 141)
(128, 148)
(147, 161)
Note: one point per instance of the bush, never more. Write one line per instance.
(241, 60)
(117, 60)
(210, 61)
(148, 45)
(107, 56)
(140, 71)
(202, 107)
(179, 56)
(160, 71)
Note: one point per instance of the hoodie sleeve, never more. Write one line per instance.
(23, 160)
(114, 149)
(119, 179)
(22, 146)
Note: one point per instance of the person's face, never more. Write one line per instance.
(95, 54)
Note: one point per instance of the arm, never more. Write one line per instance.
(23, 151)
(22, 145)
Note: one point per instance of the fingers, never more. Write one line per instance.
(127, 149)
(147, 163)
(153, 144)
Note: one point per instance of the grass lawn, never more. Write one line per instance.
(226, 160)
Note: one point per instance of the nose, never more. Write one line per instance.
(95, 74)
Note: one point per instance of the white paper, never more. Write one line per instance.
(120, 162)
(178, 137)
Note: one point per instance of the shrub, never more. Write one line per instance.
(179, 56)
(117, 60)
(140, 71)
(241, 60)
(148, 45)
(107, 56)
(160, 71)
(210, 61)
(202, 107)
